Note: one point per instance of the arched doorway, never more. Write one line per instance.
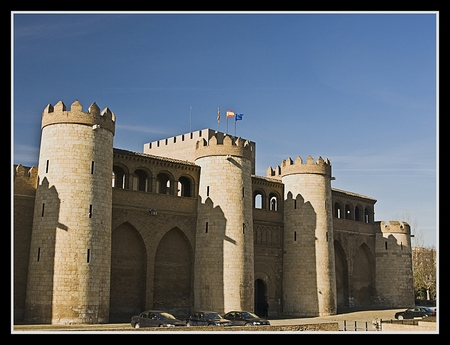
(128, 273)
(261, 306)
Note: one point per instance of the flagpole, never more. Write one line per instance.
(190, 119)
(235, 125)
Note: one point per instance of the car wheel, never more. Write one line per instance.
(137, 325)
(400, 317)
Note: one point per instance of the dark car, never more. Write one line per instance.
(155, 318)
(207, 318)
(245, 318)
(415, 313)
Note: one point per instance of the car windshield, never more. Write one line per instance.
(212, 316)
(248, 315)
(167, 316)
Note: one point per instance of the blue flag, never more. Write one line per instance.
(238, 117)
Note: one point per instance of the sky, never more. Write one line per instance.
(358, 88)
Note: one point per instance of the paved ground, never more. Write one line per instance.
(350, 321)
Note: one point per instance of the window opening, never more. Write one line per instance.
(295, 236)
(88, 258)
(39, 254)
(207, 190)
(43, 209)
(46, 166)
(90, 211)
(206, 227)
(92, 167)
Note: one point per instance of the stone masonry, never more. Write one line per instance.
(102, 233)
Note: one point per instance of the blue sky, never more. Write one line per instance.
(357, 88)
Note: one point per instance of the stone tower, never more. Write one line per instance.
(224, 259)
(309, 286)
(69, 268)
(394, 264)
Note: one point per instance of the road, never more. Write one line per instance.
(351, 321)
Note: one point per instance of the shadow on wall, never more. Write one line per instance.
(39, 306)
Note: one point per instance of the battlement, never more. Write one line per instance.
(229, 146)
(289, 167)
(25, 179)
(395, 227)
(93, 117)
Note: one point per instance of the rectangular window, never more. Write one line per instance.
(43, 210)
(88, 257)
(243, 192)
(295, 204)
(295, 236)
(243, 228)
(327, 236)
(207, 190)
(206, 227)
(39, 254)
(92, 167)
(90, 211)
(46, 166)
(385, 245)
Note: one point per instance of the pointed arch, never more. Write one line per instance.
(341, 268)
(128, 272)
(363, 276)
(173, 273)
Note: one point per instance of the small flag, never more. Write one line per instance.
(230, 113)
(238, 117)
(218, 114)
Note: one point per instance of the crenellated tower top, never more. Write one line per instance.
(93, 117)
(395, 226)
(227, 147)
(288, 167)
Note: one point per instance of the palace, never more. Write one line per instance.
(102, 233)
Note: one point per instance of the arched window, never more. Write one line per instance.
(358, 213)
(273, 202)
(142, 180)
(258, 199)
(118, 177)
(338, 210)
(163, 184)
(184, 186)
(348, 212)
(367, 215)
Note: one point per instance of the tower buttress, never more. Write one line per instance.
(224, 256)
(309, 287)
(69, 268)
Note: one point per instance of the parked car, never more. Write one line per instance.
(155, 318)
(207, 318)
(415, 313)
(245, 318)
